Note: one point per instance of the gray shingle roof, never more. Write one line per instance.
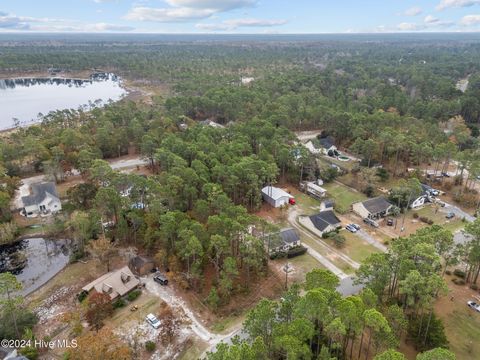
(376, 205)
(289, 236)
(39, 192)
(323, 219)
(327, 142)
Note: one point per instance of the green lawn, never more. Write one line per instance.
(463, 331)
(342, 265)
(304, 264)
(307, 204)
(440, 219)
(343, 196)
(355, 248)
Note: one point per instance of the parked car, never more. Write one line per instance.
(390, 222)
(292, 201)
(473, 305)
(441, 203)
(434, 192)
(351, 228)
(161, 279)
(450, 215)
(444, 174)
(370, 222)
(152, 320)
(356, 226)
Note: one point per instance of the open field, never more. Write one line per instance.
(301, 266)
(337, 261)
(412, 225)
(462, 324)
(343, 196)
(355, 248)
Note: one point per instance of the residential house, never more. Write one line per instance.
(284, 240)
(374, 208)
(115, 284)
(141, 265)
(275, 196)
(328, 146)
(325, 221)
(43, 199)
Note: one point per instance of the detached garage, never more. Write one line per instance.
(275, 196)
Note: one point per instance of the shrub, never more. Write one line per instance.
(448, 272)
(426, 220)
(82, 296)
(474, 287)
(133, 295)
(459, 273)
(382, 174)
(296, 251)
(415, 215)
(339, 240)
(150, 346)
(369, 191)
(119, 303)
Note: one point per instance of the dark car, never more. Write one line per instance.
(450, 215)
(390, 222)
(161, 279)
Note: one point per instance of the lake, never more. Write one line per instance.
(25, 98)
(34, 261)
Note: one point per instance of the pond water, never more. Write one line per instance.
(23, 99)
(34, 261)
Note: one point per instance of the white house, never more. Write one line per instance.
(275, 196)
(325, 221)
(373, 208)
(43, 199)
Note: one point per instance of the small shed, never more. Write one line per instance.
(141, 265)
(275, 196)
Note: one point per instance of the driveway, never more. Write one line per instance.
(167, 294)
(457, 211)
(371, 240)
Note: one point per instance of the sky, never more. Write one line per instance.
(240, 16)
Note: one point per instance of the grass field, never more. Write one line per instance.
(463, 332)
(355, 247)
(343, 196)
(440, 219)
(307, 204)
(338, 262)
